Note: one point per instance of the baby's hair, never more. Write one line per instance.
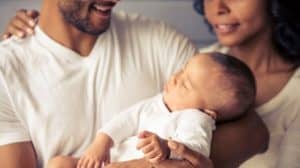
(239, 81)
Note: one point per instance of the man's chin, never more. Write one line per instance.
(94, 31)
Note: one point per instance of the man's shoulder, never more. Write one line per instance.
(14, 52)
(139, 23)
(133, 18)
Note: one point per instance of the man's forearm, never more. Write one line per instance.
(143, 163)
(173, 164)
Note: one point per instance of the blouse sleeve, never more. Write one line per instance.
(290, 146)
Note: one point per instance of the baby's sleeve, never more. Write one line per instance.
(194, 130)
(123, 125)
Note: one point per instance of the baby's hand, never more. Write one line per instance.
(96, 154)
(154, 148)
(92, 159)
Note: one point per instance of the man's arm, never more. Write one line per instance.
(235, 142)
(18, 155)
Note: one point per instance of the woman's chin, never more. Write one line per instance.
(229, 42)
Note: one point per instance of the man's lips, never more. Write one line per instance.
(103, 7)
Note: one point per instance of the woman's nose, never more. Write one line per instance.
(222, 7)
(219, 7)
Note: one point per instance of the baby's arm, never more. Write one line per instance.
(154, 148)
(97, 152)
(119, 128)
(194, 129)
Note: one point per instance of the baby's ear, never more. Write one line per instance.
(212, 113)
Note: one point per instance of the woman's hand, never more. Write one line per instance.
(196, 160)
(22, 24)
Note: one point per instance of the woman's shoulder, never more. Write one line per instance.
(297, 73)
(294, 83)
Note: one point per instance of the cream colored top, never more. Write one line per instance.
(282, 117)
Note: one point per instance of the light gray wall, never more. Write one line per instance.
(178, 13)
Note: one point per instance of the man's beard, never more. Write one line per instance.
(72, 16)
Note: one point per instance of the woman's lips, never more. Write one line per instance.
(226, 28)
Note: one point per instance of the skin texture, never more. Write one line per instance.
(249, 37)
(239, 20)
(254, 49)
(18, 155)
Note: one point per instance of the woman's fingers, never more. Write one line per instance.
(196, 159)
(24, 20)
(14, 30)
(5, 36)
(33, 14)
(22, 24)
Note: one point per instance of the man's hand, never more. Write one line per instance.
(22, 24)
(154, 148)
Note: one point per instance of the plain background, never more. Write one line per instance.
(179, 13)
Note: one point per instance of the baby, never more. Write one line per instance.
(210, 88)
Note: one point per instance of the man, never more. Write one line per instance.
(82, 66)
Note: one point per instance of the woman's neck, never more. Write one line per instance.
(260, 55)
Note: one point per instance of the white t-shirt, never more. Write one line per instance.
(191, 127)
(57, 99)
(281, 114)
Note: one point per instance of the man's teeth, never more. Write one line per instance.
(101, 8)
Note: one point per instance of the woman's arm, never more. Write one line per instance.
(18, 155)
(235, 142)
(191, 159)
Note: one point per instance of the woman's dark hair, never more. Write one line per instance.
(286, 27)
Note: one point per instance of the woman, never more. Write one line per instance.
(259, 33)
(264, 34)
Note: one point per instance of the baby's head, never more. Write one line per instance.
(212, 81)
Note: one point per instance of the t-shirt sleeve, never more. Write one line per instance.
(290, 147)
(194, 130)
(11, 129)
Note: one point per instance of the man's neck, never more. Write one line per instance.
(54, 25)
